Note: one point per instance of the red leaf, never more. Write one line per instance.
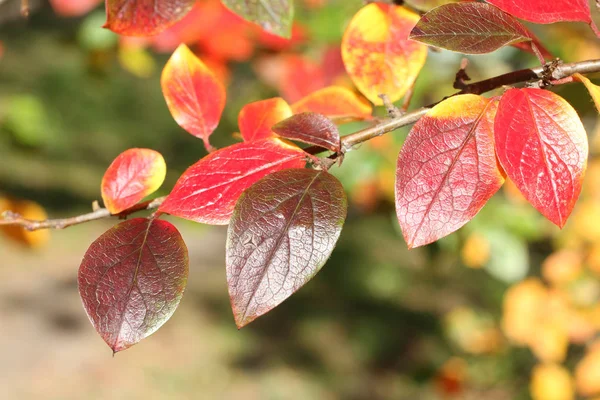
(256, 119)
(447, 169)
(208, 190)
(547, 12)
(469, 28)
(194, 96)
(133, 175)
(311, 128)
(542, 146)
(131, 280)
(282, 231)
(335, 102)
(144, 17)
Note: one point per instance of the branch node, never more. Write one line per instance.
(393, 111)
(461, 76)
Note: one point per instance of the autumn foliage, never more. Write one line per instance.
(284, 209)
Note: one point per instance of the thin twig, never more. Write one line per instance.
(11, 218)
(553, 72)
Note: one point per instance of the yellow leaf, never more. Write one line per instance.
(593, 89)
(377, 53)
(26, 209)
(587, 372)
(551, 382)
(476, 251)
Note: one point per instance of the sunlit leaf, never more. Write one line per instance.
(542, 146)
(587, 372)
(275, 16)
(447, 169)
(256, 119)
(132, 278)
(551, 382)
(335, 102)
(547, 12)
(470, 28)
(522, 310)
(144, 17)
(282, 232)
(208, 190)
(593, 89)
(377, 53)
(194, 96)
(133, 175)
(26, 209)
(311, 128)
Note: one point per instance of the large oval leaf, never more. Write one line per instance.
(133, 175)
(377, 53)
(132, 278)
(275, 16)
(283, 230)
(447, 169)
(256, 119)
(543, 147)
(311, 128)
(208, 190)
(469, 28)
(144, 17)
(195, 97)
(335, 102)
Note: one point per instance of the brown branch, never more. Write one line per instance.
(550, 73)
(11, 218)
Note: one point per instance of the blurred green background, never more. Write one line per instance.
(378, 322)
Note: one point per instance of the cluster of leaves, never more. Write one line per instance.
(284, 219)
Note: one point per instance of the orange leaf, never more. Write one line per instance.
(542, 146)
(133, 175)
(26, 209)
(335, 102)
(195, 97)
(593, 89)
(144, 17)
(447, 169)
(256, 119)
(377, 53)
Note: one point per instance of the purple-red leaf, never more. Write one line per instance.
(542, 146)
(282, 231)
(131, 280)
(208, 190)
(447, 169)
(144, 17)
(195, 97)
(470, 28)
(311, 128)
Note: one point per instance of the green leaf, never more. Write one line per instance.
(282, 231)
(274, 16)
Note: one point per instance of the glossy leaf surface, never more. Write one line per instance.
(283, 230)
(256, 119)
(133, 175)
(469, 28)
(447, 169)
(594, 90)
(335, 102)
(195, 97)
(144, 17)
(274, 16)
(208, 190)
(311, 128)
(377, 53)
(542, 146)
(132, 278)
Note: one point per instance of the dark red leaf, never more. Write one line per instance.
(311, 128)
(282, 231)
(131, 280)
(208, 190)
(447, 169)
(542, 146)
(144, 17)
(470, 28)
